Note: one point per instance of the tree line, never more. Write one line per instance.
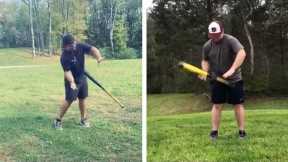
(177, 30)
(113, 26)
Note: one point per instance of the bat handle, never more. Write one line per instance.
(219, 79)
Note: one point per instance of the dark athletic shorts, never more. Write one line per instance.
(81, 92)
(221, 93)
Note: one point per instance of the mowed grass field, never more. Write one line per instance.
(30, 98)
(179, 127)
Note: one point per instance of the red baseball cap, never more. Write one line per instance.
(215, 30)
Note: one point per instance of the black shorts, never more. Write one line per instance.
(81, 92)
(221, 93)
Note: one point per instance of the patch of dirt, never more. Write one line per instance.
(4, 157)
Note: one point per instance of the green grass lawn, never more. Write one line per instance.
(182, 132)
(30, 99)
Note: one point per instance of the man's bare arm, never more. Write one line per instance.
(205, 66)
(68, 76)
(96, 54)
(240, 57)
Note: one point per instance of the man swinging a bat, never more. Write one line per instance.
(73, 63)
(223, 55)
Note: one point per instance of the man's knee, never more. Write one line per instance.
(68, 102)
(81, 100)
(217, 106)
(238, 106)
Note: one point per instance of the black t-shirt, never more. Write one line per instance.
(75, 60)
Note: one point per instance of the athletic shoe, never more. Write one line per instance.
(84, 123)
(213, 134)
(242, 134)
(57, 124)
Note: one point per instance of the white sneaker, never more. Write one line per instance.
(57, 124)
(84, 123)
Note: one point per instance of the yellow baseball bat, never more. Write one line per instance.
(199, 71)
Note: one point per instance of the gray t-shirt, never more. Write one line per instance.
(221, 56)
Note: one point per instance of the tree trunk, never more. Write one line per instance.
(31, 26)
(67, 17)
(40, 32)
(266, 58)
(267, 64)
(42, 40)
(281, 44)
(244, 17)
(248, 35)
(50, 30)
(209, 10)
(110, 25)
(37, 26)
(111, 41)
(63, 16)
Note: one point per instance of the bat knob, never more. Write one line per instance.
(180, 64)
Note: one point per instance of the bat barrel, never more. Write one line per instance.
(201, 72)
(192, 69)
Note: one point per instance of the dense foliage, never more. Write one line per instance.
(114, 26)
(177, 30)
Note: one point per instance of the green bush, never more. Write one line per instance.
(127, 53)
(106, 52)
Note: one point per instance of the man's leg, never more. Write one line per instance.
(63, 109)
(83, 94)
(218, 97)
(240, 116)
(82, 108)
(236, 97)
(57, 123)
(216, 116)
(70, 96)
(83, 112)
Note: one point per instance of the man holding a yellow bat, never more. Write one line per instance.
(223, 55)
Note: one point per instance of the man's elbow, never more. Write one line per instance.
(66, 73)
(204, 62)
(243, 53)
(94, 50)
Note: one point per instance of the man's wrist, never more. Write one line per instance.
(99, 59)
(233, 68)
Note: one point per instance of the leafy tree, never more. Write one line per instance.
(177, 31)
